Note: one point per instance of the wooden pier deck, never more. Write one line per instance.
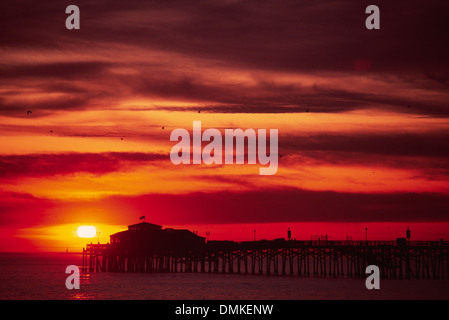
(408, 260)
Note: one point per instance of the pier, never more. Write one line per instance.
(395, 259)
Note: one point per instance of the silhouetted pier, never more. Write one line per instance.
(396, 259)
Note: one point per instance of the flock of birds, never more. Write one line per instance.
(199, 111)
(51, 131)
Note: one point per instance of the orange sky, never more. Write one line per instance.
(360, 146)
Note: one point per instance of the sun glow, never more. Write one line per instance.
(86, 231)
(62, 237)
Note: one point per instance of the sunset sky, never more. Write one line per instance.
(363, 118)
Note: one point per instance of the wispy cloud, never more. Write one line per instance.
(41, 165)
(172, 51)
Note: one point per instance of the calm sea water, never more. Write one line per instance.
(42, 276)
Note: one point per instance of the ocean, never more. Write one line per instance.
(41, 276)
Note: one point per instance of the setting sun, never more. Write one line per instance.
(86, 231)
